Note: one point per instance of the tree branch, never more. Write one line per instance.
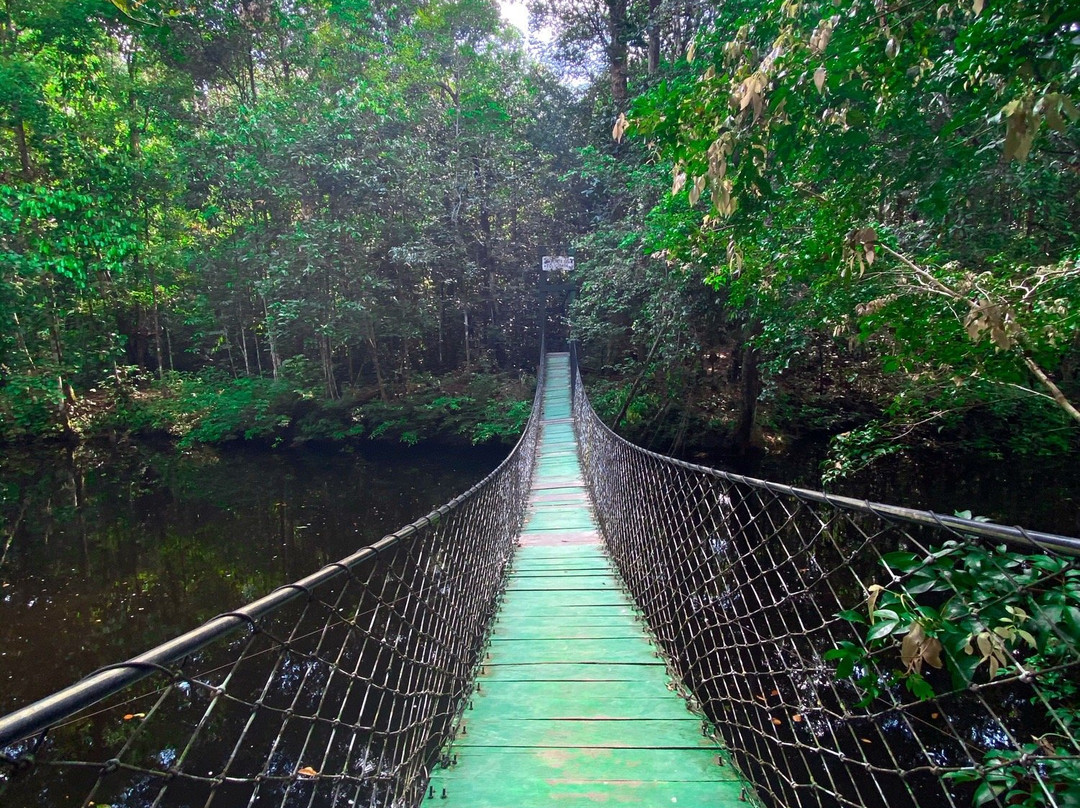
(936, 286)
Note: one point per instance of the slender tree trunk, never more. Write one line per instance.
(750, 380)
(258, 349)
(21, 340)
(56, 329)
(133, 106)
(275, 358)
(442, 326)
(251, 75)
(641, 377)
(157, 326)
(375, 361)
(244, 347)
(168, 346)
(617, 52)
(228, 349)
(654, 37)
(326, 354)
(468, 351)
(8, 39)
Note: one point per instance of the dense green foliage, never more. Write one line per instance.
(332, 200)
(885, 199)
(977, 613)
(852, 218)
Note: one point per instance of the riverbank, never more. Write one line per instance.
(209, 408)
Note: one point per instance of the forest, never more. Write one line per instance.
(285, 222)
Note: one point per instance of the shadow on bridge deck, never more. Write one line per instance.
(574, 705)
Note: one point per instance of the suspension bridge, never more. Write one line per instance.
(595, 623)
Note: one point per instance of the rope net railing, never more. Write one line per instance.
(851, 654)
(338, 690)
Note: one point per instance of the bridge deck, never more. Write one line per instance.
(573, 707)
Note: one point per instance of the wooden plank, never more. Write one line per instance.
(529, 786)
(671, 765)
(584, 733)
(578, 672)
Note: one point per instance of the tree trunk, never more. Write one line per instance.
(750, 391)
(54, 325)
(157, 326)
(133, 107)
(326, 354)
(375, 361)
(228, 349)
(275, 358)
(251, 75)
(654, 37)
(21, 340)
(8, 43)
(258, 349)
(468, 351)
(442, 327)
(244, 347)
(168, 346)
(617, 52)
(639, 379)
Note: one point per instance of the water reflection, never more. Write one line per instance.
(106, 551)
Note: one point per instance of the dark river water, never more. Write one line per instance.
(107, 551)
(1033, 492)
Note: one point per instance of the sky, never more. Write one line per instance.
(515, 13)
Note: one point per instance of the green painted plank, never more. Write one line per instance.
(524, 790)
(516, 613)
(672, 765)
(529, 626)
(584, 628)
(581, 569)
(562, 600)
(654, 671)
(570, 555)
(545, 691)
(564, 579)
(561, 522)
(541, 554)
(566, 703)
(565, 649)
(564, 569)
(594, 561)
(628, 631)
(572, 616)
(561, 583)
(646, 733)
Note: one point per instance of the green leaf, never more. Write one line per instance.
(901, 561)
(919, 687)
(852, 616)
(987, 792)
(882, 629)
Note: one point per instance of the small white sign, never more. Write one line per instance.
(558, 263)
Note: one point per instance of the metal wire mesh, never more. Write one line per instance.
(810, 629)
(338, 690)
